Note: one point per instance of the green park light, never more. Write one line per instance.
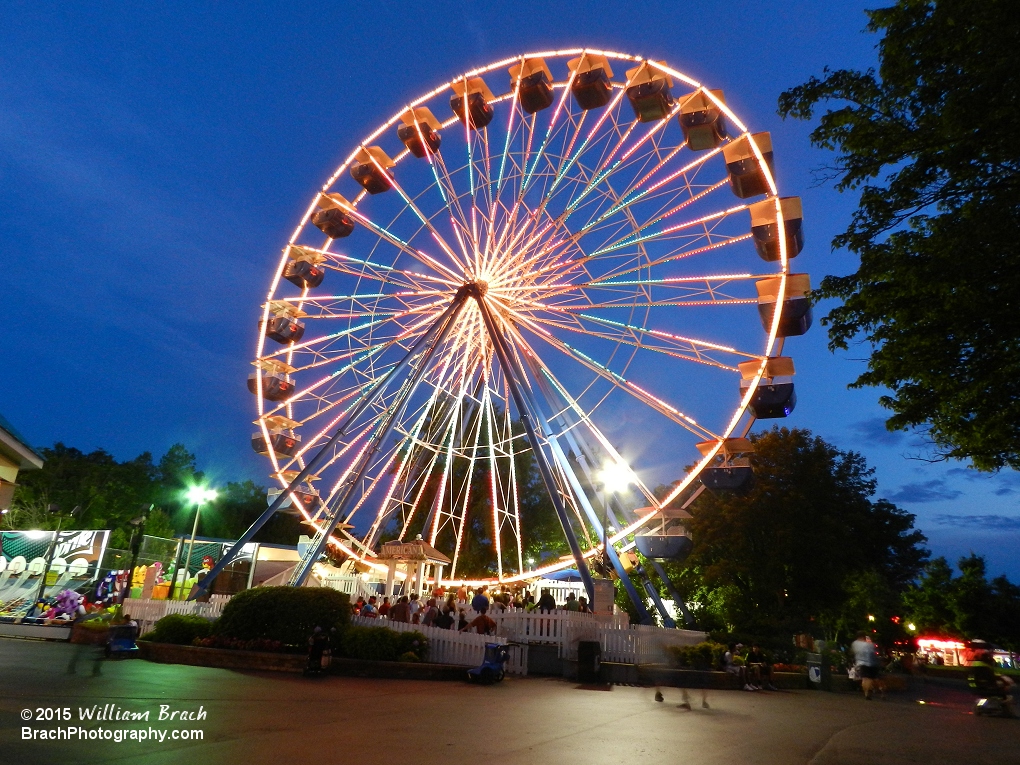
(198, 495)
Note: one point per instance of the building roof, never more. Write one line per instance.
(14, 445)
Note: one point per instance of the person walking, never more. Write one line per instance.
(868, 663)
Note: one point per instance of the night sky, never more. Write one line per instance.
(153, 161)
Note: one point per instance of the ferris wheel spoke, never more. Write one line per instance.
(604, 171)
(631, 195)
(636, 239)
(458, 218)
(408, 444)
(621, 383)
(686, 348)
(693, 355)
(425, 221)
(635, 235)
(404, 333)
(566, 165)
(588, 422)
(426, 260)
(515, 110)
(529, 174)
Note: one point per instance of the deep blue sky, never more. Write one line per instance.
(154, 160)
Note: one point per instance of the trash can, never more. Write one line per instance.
(819, 675)
(589, 661)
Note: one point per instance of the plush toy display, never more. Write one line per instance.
(108, 589)
(69, 605)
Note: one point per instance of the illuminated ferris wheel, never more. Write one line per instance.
(577, 258)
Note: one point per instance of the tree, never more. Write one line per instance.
(930, 144)
(794, 549)
(238, 505)
(967, 606)
(110, 493)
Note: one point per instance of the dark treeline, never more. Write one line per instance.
(111, 494)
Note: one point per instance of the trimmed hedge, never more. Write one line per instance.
(383, 644)
(701, 656)
(285, 614)
(179, 629)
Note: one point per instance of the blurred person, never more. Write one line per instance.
(868, 664)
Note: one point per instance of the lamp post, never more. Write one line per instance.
(197, 495)
(614, 477)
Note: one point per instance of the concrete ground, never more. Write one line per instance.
(276, 718)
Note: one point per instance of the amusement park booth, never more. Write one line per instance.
(420, 560)
(15, 455)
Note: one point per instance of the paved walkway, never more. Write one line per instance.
(254, 718)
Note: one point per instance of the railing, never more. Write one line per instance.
(462, 649)
(354, 586)
(147, 612)
(559, 590)
(621, 641)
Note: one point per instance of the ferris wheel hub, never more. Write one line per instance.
(475, 289)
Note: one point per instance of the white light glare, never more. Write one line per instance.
(615, 476)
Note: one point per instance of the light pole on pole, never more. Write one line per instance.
(614, 477)
(197, 495)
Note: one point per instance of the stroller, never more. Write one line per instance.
(492, 667)
(993, 697)
(121, 641)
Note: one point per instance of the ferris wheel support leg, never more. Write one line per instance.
(302, 570)
(680, 605)
(593, 519)
(444, 320)
(569, 470)
(499, 345)
(653, 593)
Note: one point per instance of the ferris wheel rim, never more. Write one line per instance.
(771, 342)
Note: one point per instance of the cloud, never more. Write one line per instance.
(997, 522)
(1004, 483)
(874, 432)
(929, 491)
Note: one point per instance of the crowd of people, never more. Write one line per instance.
(450, 610)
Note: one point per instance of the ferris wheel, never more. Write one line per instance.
(574, 258)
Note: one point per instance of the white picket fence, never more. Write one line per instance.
(462, 649)
(620, 641)
(354, 586)
(147, 612)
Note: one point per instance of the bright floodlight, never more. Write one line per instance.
(615, 476)
(198, 495)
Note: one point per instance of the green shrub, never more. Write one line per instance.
(701, 656)
(371, 643)
(180, 629)
(413, 642)
(285, 614)
(409, 656)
